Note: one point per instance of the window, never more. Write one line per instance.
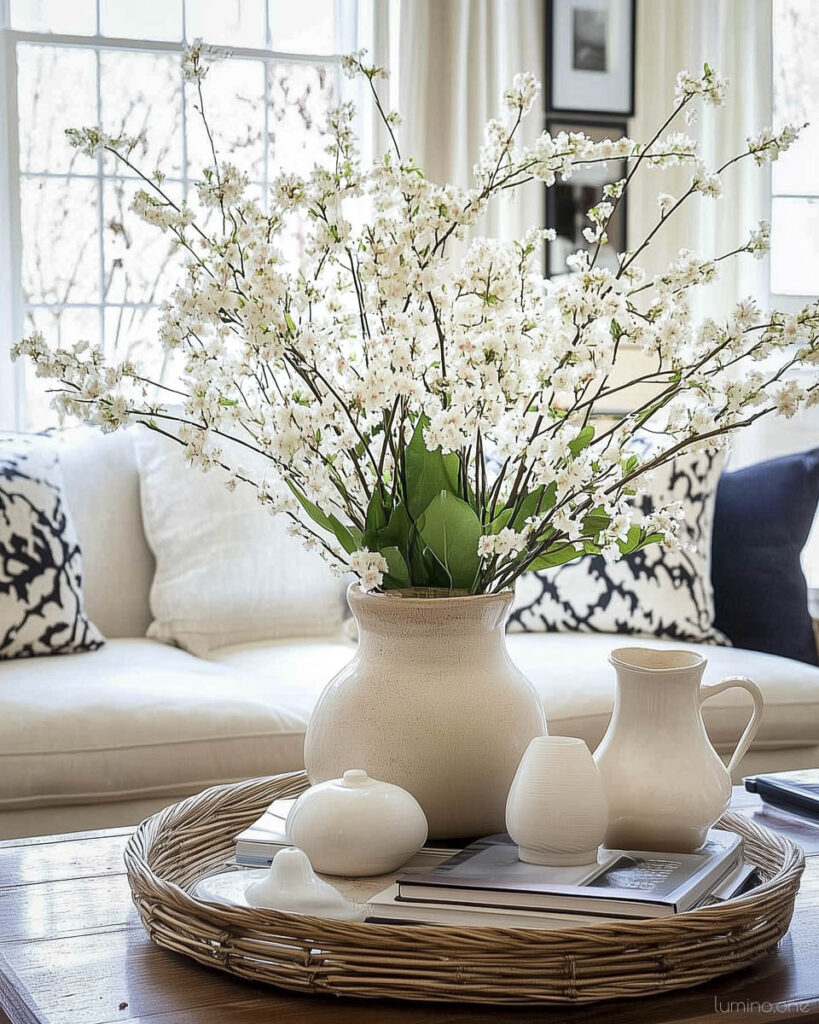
(795, 200)
(795, 182)
(80, 265)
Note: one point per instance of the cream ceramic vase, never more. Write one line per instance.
(556, 811)
(665, 784)
(432, 703)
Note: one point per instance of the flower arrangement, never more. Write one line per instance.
(426, 421)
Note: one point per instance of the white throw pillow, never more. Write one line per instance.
(227, 572)
(655, 592)
(41, 594)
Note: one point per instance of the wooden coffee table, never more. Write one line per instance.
(73, 951)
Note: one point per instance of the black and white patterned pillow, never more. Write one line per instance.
(41, 599)
(654, 592)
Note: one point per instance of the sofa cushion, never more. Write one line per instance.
(764, 514)
(102, 489)
(227, 571)
(139, 718)
(42, 611)
(663, 592)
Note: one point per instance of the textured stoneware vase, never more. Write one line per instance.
(665, 784)
(430, 702)
(556, 811)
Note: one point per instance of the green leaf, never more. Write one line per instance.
(632, 541)
(537, 502)
(376, 520)
(636, 540)
(583, 440)
(553, 558)
(595, 521)
(349, 537)
(428, 473)
(398, 573)
(649, 412)
(397, 530)
(501, 520)
(450, 530)
(291, 327)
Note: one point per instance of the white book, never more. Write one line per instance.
(385, 908)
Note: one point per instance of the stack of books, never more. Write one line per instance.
(484, 884)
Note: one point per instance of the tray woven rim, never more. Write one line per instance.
(174, 847)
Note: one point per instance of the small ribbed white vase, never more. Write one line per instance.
(556, 811)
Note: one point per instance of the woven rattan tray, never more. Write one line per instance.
(170, 851)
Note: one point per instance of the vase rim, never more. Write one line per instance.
(655, 660)
(559, 741)
(354, 590)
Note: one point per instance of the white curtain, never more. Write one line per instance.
(457, 58)
(735, 38)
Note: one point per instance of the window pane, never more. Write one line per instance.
(60, 327)
(131, 334)
(794, 173)
(142, 263)
(233, 92)
(70, 17)
(299, 97)
(227, 23)
(795, 246)
(47, 107)
(142, 19)
(142, 95)
(307, 26)
(60, 240)
(796, 92)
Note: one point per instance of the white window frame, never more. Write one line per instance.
(12, 306)
(787, 303)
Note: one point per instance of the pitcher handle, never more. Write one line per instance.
(712, 689)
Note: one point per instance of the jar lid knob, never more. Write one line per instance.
(356, 777)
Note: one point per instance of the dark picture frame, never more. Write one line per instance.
(590, 52)
(568, 202)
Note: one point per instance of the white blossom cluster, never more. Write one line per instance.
(430, 421)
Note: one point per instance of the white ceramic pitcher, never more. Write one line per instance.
(665, 784)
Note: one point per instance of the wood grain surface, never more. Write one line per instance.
(72, 951)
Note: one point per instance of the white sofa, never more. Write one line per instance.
(105, 738)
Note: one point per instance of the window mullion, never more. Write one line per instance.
(100, 207)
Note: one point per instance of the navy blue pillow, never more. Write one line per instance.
(762, 520)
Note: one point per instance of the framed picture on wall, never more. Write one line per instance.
(568, 202)
(591, 56)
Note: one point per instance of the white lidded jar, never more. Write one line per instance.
(357, 826)
(556, 811)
